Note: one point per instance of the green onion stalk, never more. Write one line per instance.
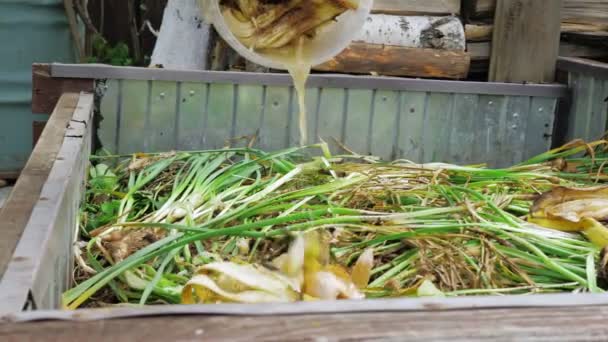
(152, 221)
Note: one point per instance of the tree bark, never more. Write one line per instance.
(442, 33)
(386, 60)
(183, 41)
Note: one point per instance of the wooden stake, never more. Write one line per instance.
(526, 41)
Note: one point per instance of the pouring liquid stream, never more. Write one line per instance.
(299, 70)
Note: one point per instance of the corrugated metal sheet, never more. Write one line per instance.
(425, 126)
(589, 111)
(30, 31)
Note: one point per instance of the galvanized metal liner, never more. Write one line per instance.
(42, 263)
(30, 31)
(588, 80)
(444, 123)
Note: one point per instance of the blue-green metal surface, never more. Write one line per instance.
(149, 116)
(589, 112)
(30, 31)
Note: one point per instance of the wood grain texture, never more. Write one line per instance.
(525, 44)
(478, 8)
(573, 11)
(17, 209)
(401, 7)
(37, 129)
(361, 58)
(480, 32)
(586, 11)
(480, 51)
(571, 324)
(483, 32)
(47, 90)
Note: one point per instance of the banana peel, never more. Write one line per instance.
(561, 195)
(574, 210)
(303, 273)
(266, 24)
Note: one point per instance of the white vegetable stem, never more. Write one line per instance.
(183, 41)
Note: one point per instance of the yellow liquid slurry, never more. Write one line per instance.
(300, 71)
(295, 58)
(286, 33)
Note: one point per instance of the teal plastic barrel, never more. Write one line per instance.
(30, 31)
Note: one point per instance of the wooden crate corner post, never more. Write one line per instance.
(526, 41)
(46, 91)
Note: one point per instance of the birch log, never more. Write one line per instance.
(418, 46)
(443, 33)
(183, 41)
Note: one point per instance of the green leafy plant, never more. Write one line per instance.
(103, 52)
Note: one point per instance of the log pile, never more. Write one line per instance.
(417, 46)
(444, 39)
(421, 38)
(584, 30)
(414, 38)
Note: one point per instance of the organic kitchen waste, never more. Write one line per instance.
(248, 226)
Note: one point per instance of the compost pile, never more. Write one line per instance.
(246, 226)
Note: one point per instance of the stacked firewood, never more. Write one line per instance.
(584, 30)
(450, 39)
(415, 38)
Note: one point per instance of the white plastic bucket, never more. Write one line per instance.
(321, 49)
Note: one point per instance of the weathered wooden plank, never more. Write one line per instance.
(361, 58)
(586, 11)
(545, 324)
(481, 51)
(400, 7)
(37, 128)
(40, 268)
(525, 43)
(483, 32)
(478, 32)
(17, 209)
(47, 90)
(573, 11)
